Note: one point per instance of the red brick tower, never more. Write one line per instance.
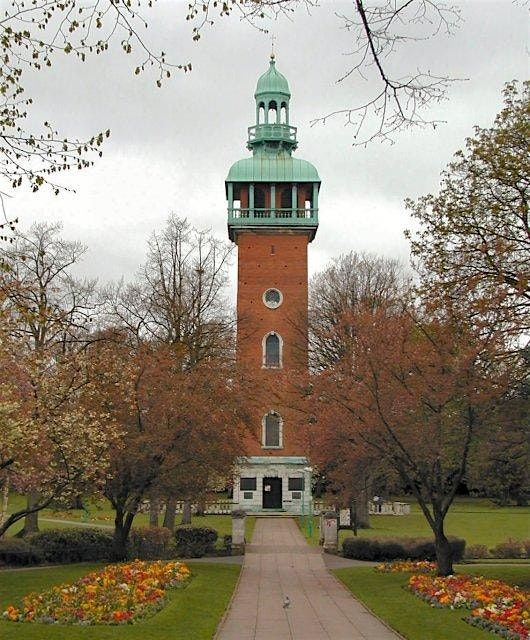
(272, 216)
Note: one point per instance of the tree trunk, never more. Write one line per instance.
(122, 526)
(31, 520)
(5, 501)
(154, 510)
(169, 515)
(521, 499)
(353, 516)
(444, 553)
(201, 507)
(186, 512)
(361, 504)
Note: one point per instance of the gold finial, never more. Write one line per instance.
(273, 38)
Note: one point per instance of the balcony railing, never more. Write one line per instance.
(273, 216)
(272, 131)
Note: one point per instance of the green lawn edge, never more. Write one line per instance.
(192, 613)
(385, 595)
(477, 520)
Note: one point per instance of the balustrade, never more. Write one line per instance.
(273, 214)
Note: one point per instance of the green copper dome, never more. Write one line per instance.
(281, 168)
(272, 81)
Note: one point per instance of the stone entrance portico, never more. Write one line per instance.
(276, 483)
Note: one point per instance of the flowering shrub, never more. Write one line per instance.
(118, 594)
(495, 605)
(407, 566)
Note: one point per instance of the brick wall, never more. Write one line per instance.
(273, 260)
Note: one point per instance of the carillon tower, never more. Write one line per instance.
(272, 217)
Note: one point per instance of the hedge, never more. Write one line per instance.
(16, 551)
(379, 549)
(72, 545)
(194, 542)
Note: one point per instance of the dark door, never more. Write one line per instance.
(272, 493)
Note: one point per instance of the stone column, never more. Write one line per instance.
(238, 532)
(331, 532)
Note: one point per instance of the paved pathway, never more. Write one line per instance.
(280, 563)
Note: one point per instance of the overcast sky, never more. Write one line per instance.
(171, 148)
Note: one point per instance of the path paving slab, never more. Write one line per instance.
(279, 563)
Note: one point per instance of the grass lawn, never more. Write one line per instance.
(192, 613)
(477, 520)
(385, 595)
(100, 514)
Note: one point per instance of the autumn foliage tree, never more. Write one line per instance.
(177, 302)
(352, 283)
(47, 315)
(55, 441)
(472, 246)
(177, 426)
(500, 460)
(414, 391)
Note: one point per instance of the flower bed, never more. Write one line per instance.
(495, 605)
(118, 594)
(407, 566)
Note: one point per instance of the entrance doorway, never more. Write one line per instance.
(272, 493)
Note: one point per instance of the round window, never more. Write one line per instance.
(272, 298)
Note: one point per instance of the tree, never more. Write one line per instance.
(350, 284)
(472, 248)
(415, 391)
(34, 36)
(178, 426)
(178, 296)
(178, 300)
(48, 313)
(398, 101)
(500, 460)
(55, 444)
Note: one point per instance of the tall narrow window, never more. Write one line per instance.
(259, 197)
(272, 348)
(286, 199)
(272, 430)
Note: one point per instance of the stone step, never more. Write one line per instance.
(273, 513)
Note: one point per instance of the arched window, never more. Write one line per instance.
(283, 113)
(273, 112)
(272, 430)
(272, 350)
(261, 113)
